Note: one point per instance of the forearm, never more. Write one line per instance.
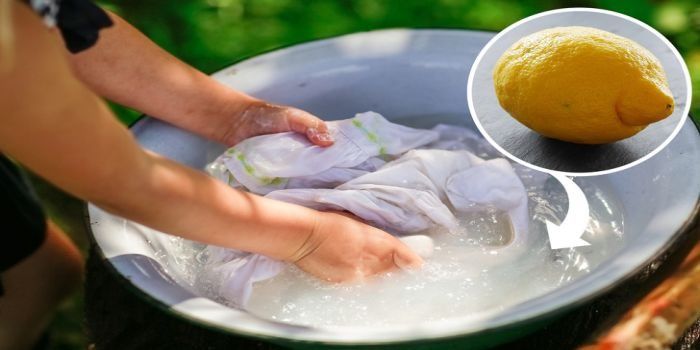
(185, 202)
(128, 68)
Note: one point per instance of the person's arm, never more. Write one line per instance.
(128, 68)
(52, 124)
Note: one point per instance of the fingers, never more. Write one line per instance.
(354, 251)
(261, 118)
(314, 128)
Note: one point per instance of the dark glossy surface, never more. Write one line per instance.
(558, 155)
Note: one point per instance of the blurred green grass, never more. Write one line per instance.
(210, 34)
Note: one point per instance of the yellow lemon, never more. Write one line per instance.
(582, 85)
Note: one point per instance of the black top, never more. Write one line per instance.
(23, 220)
(22, 217)
(79, 21)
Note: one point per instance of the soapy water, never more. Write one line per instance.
(465, 276)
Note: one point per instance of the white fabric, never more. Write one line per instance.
(495, 183)
(234, 272)
(218, 170)
(326, 179)
(404, 196)
(335, 176)
(410, 194)
(415, 190)
(265, 163)
(456, 138)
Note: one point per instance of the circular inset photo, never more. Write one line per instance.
(579, 91)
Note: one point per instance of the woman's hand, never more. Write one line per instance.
(260, 118)
(341, 249)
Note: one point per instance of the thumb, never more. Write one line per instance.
(406, 259)
(315, 129)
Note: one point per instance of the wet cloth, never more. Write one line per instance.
(266, 163)
(398, 188)
(406, 195)
(455, 138)
(414, 192)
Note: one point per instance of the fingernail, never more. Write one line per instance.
(325, 137)
(319, 136)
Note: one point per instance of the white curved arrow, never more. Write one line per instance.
(568, 233)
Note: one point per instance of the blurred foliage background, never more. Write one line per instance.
(210, 34)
